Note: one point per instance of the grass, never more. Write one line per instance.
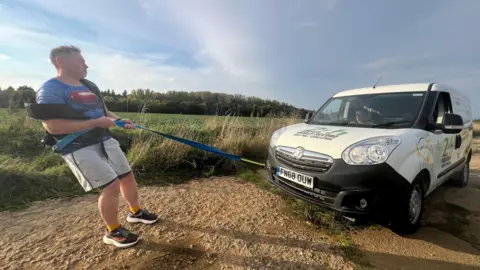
(30, 172)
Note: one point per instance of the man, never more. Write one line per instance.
(96, 160)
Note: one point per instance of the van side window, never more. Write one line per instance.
(444, 105)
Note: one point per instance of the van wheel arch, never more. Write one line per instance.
(460, 179)
(400, 222)
(424, 176)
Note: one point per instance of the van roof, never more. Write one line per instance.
(397, 88)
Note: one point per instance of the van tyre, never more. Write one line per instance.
(407, 218)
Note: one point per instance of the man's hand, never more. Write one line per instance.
(104, 122)
(129, 124)
(108, 122)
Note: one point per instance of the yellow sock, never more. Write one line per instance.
(135, 209)
(113, 227)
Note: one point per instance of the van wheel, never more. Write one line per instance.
(409, 214)
(461, 179)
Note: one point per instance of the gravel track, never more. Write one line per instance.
(227, 223)
(215, 223)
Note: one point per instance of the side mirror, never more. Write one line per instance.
(452, 123)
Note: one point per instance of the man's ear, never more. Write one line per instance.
(57, 62)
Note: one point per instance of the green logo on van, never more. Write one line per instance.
(321, 133)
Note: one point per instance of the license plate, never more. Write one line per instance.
(299, 178)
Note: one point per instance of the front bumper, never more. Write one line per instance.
(342, 187)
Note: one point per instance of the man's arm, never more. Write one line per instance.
(111, 114)
(66, 126)
(128, 123)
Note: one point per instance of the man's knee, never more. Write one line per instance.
(111, 189)
(127, 177)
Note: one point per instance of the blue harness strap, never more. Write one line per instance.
(69, 138)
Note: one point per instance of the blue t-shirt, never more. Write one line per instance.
(79, 98)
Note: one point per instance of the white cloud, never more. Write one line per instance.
(225, 57)
(4, 57)
(115, 69)
(295, 52)
(221, 39)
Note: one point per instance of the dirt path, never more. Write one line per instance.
(225, 223)
(217, 223)
(449, 239)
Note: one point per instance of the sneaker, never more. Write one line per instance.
(121, 238)
(142, 216)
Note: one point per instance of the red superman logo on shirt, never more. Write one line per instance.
(85, 98)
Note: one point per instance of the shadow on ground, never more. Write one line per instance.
(185, 255)
(448, 239)
(202, 259)
(392, 261)
(445, 213)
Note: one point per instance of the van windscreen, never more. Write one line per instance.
(398, 110)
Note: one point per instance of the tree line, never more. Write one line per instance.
(170, 102)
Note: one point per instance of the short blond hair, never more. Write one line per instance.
(63, 51)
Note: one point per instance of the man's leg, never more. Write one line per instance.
(128, 185)
(108, 205)
(128, 188)
(93, 171)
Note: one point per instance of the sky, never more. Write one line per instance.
(298, 52)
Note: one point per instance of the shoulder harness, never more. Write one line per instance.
(64, 111)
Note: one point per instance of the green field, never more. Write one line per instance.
(30, 172)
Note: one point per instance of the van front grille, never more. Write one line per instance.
(309, 161)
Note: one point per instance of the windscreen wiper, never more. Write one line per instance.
(388, 124)
(342, 123)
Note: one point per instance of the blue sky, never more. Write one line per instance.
(299, 52)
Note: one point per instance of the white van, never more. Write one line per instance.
(376, 151)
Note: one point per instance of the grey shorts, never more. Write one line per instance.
(93, 169)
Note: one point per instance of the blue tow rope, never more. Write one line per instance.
(69, 138)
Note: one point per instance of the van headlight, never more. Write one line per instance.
(276, 135)
(370, 151)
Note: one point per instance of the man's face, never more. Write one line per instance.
(73, 65)
(360, 116)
